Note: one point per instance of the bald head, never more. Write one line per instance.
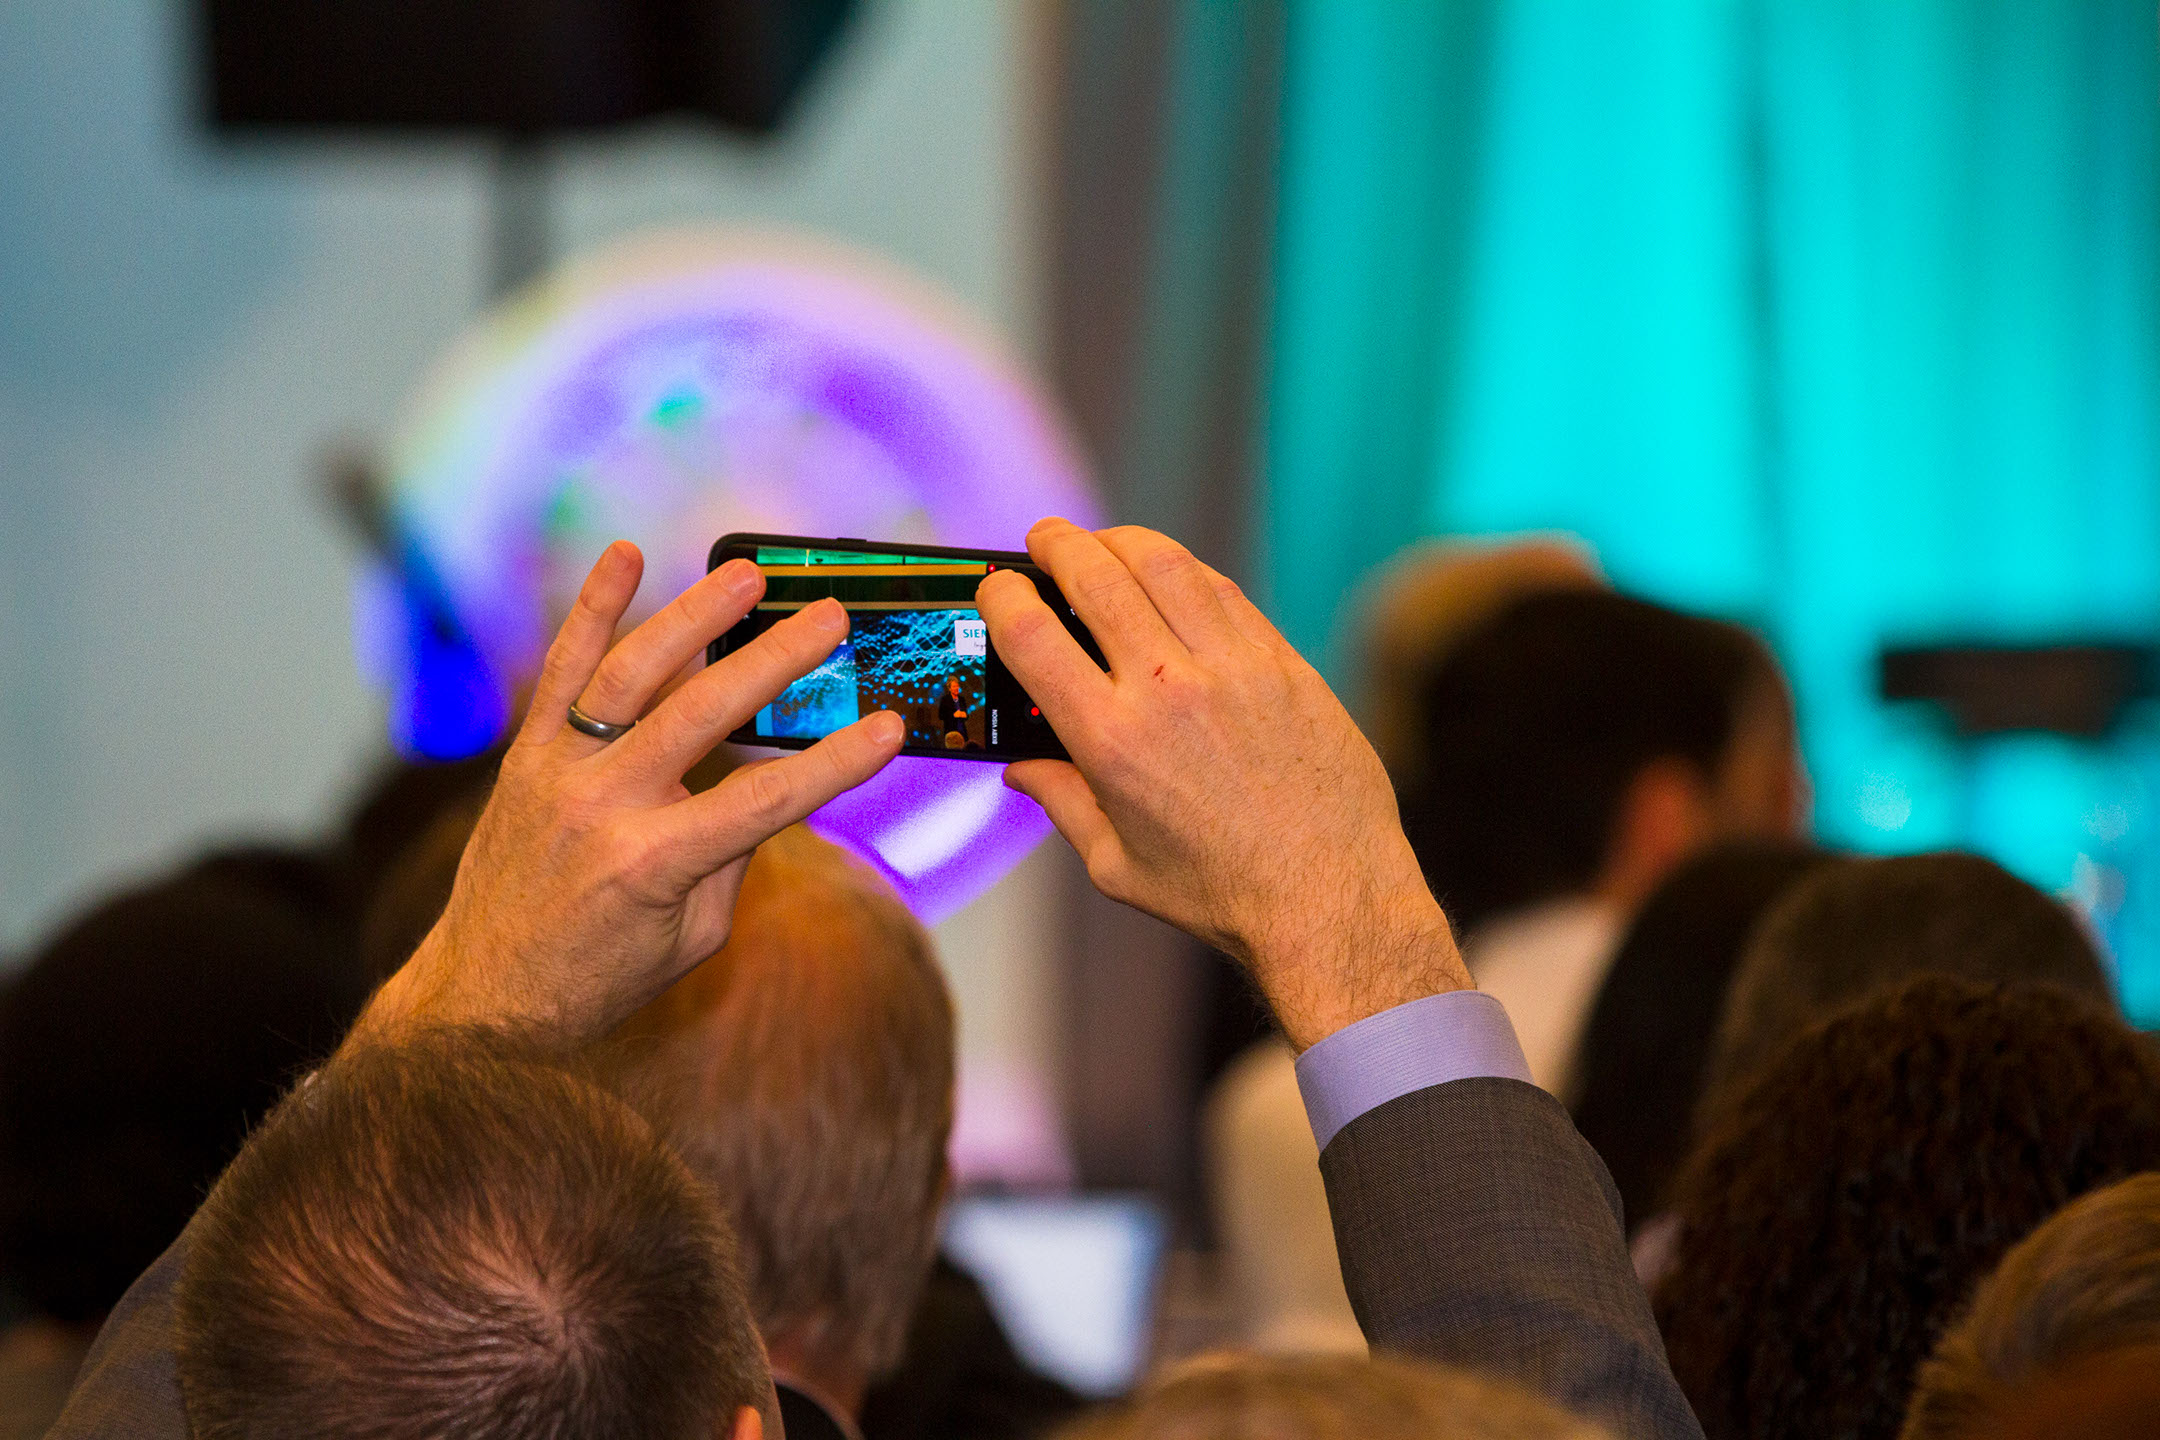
(806, 1073)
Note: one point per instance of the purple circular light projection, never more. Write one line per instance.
(676, 387)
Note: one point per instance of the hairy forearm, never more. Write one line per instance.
(1320, 977)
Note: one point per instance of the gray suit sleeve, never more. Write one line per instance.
(129, 1385)
(1476, 1227)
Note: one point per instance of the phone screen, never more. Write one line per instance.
(916, 645)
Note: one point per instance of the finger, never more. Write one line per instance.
(712, 704)
(1245, 615)
(654, 653)
(583, 640)
(1063, 793)
(757, 802)
(1105, 595)
(1045, 657)
(1179, 585)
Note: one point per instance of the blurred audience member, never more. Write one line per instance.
(402, 801)
(1845, 1204)
(135, 1051)
(1274, 1238)
(1331, 1398)
(1578, 746)
(960, 1377)
(1423, 602)
(806, 1073)
(1647, 1041)
(2114, 1395)
(411, 889)
(1861, 925)
(2065, 1332)
(451, 1237)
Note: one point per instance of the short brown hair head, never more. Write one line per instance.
(1425, 599)
(806, 1073)
(452, 1236)
(1857, 926)
(2083, 1286)
(1333, 1397)
(1541, 720)
(1847, 1201)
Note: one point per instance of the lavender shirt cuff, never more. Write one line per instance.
(1461, 1035)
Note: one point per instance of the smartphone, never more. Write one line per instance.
(916, 645)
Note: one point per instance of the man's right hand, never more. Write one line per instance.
(1216, 781)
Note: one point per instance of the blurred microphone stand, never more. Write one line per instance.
(520, 242)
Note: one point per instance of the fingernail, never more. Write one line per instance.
(829, 614)
(739, 576)
(886, 728)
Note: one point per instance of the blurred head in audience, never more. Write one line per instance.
(1584, 743)
(135, 1051)
(1845, 1203)
(2114, 1395)
(1330, 1398)
(1425, 600)
(414, 887)
(400, 804)
(1861, 925)
(2071, 1304)
(806, 1072)
(1648, 1037)
(449, 1237)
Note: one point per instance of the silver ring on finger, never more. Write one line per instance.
(584, 724)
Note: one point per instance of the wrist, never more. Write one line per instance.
(402, 999)
(440, 983)
(1321, 978)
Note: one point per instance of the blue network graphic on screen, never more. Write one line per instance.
(905, 659)
(906, 650)
(818, 704)
(899, 660)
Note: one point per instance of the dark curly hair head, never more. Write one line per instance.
(1644, 1048)
(138, 1047)
(1842, 1207)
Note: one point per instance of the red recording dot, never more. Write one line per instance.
(1035, 710)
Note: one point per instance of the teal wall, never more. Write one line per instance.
(1837, 318)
